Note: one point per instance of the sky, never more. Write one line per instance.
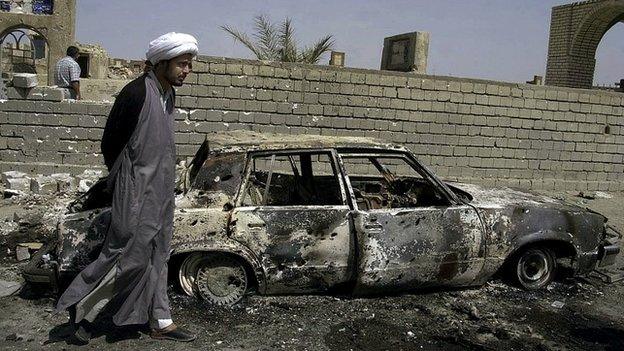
(505, 40)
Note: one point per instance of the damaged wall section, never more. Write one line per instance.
(486, 132)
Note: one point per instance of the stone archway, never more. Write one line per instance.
(24, 50)
(53, 19)
(575, 32)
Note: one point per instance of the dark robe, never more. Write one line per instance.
(131, 270)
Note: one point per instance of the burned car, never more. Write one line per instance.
(311, 214)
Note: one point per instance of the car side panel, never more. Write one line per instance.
(419, 247)
(300, 248)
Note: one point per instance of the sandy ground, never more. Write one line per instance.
(570, 315)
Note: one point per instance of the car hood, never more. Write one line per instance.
(484, 197)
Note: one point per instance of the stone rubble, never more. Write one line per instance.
(19, 183)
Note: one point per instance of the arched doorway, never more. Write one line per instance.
(575, 32)
(609, 64)
(24, 50)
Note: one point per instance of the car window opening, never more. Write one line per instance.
(298, 179)
(389, 181)
(220, 173)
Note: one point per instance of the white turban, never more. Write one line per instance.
(170, 45)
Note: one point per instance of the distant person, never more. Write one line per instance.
(67, 73)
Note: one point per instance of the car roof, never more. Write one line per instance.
(245, 140)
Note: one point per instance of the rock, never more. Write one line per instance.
(18, 184)
(603, 195)
(14, 337)
(587, 196)
(15, 182)
(92, 173)
(31, 246)
(87, 178)
(25, 80)
(467, 308)
(43, 185)
(84, 185)
(12, 175)
(22, 253)
(7, 193)
(65, 182)
(8, 288)
(474, 313)
(27, 218)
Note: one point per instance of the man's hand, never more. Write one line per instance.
(76, 86)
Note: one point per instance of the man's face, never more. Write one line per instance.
(179, 67)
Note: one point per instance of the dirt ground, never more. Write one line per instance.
(575, 314)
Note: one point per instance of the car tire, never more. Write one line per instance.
(221, 279)
(534, 268)
(216, 278)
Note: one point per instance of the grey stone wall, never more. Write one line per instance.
(488, 132)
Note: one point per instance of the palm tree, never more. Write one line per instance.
(277, 43)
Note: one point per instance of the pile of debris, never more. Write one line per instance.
(18, 183)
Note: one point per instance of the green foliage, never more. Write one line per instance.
(273, 42)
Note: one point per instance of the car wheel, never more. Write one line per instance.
(221, 279)
(535, 268)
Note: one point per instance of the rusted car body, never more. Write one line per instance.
(302, 214)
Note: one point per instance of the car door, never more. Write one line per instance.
(409, 232)
(292, 213)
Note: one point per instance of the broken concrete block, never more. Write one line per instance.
(87, 178)
(53, 94)
(18, 184)
(85, 184)
(12, 175)
(25, 80)
(27, 217)
(22, 253)
(14, 93)
(32, 247)
(16, 181)
(92, 173)
(24, 250)
(65, 182)
(43, 185)
(9, 288)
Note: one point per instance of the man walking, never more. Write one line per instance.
(67, 73)
(130, 274)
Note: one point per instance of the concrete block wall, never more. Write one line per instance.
(41, 133)
(492, 133)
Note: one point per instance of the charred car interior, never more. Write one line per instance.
(299, 214)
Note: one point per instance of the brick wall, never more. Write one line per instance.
(488, 132)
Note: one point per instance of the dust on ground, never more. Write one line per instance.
(570, 315)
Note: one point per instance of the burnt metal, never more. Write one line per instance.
(314, 233)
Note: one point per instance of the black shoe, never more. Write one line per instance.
(82, 335)
(174, 333)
